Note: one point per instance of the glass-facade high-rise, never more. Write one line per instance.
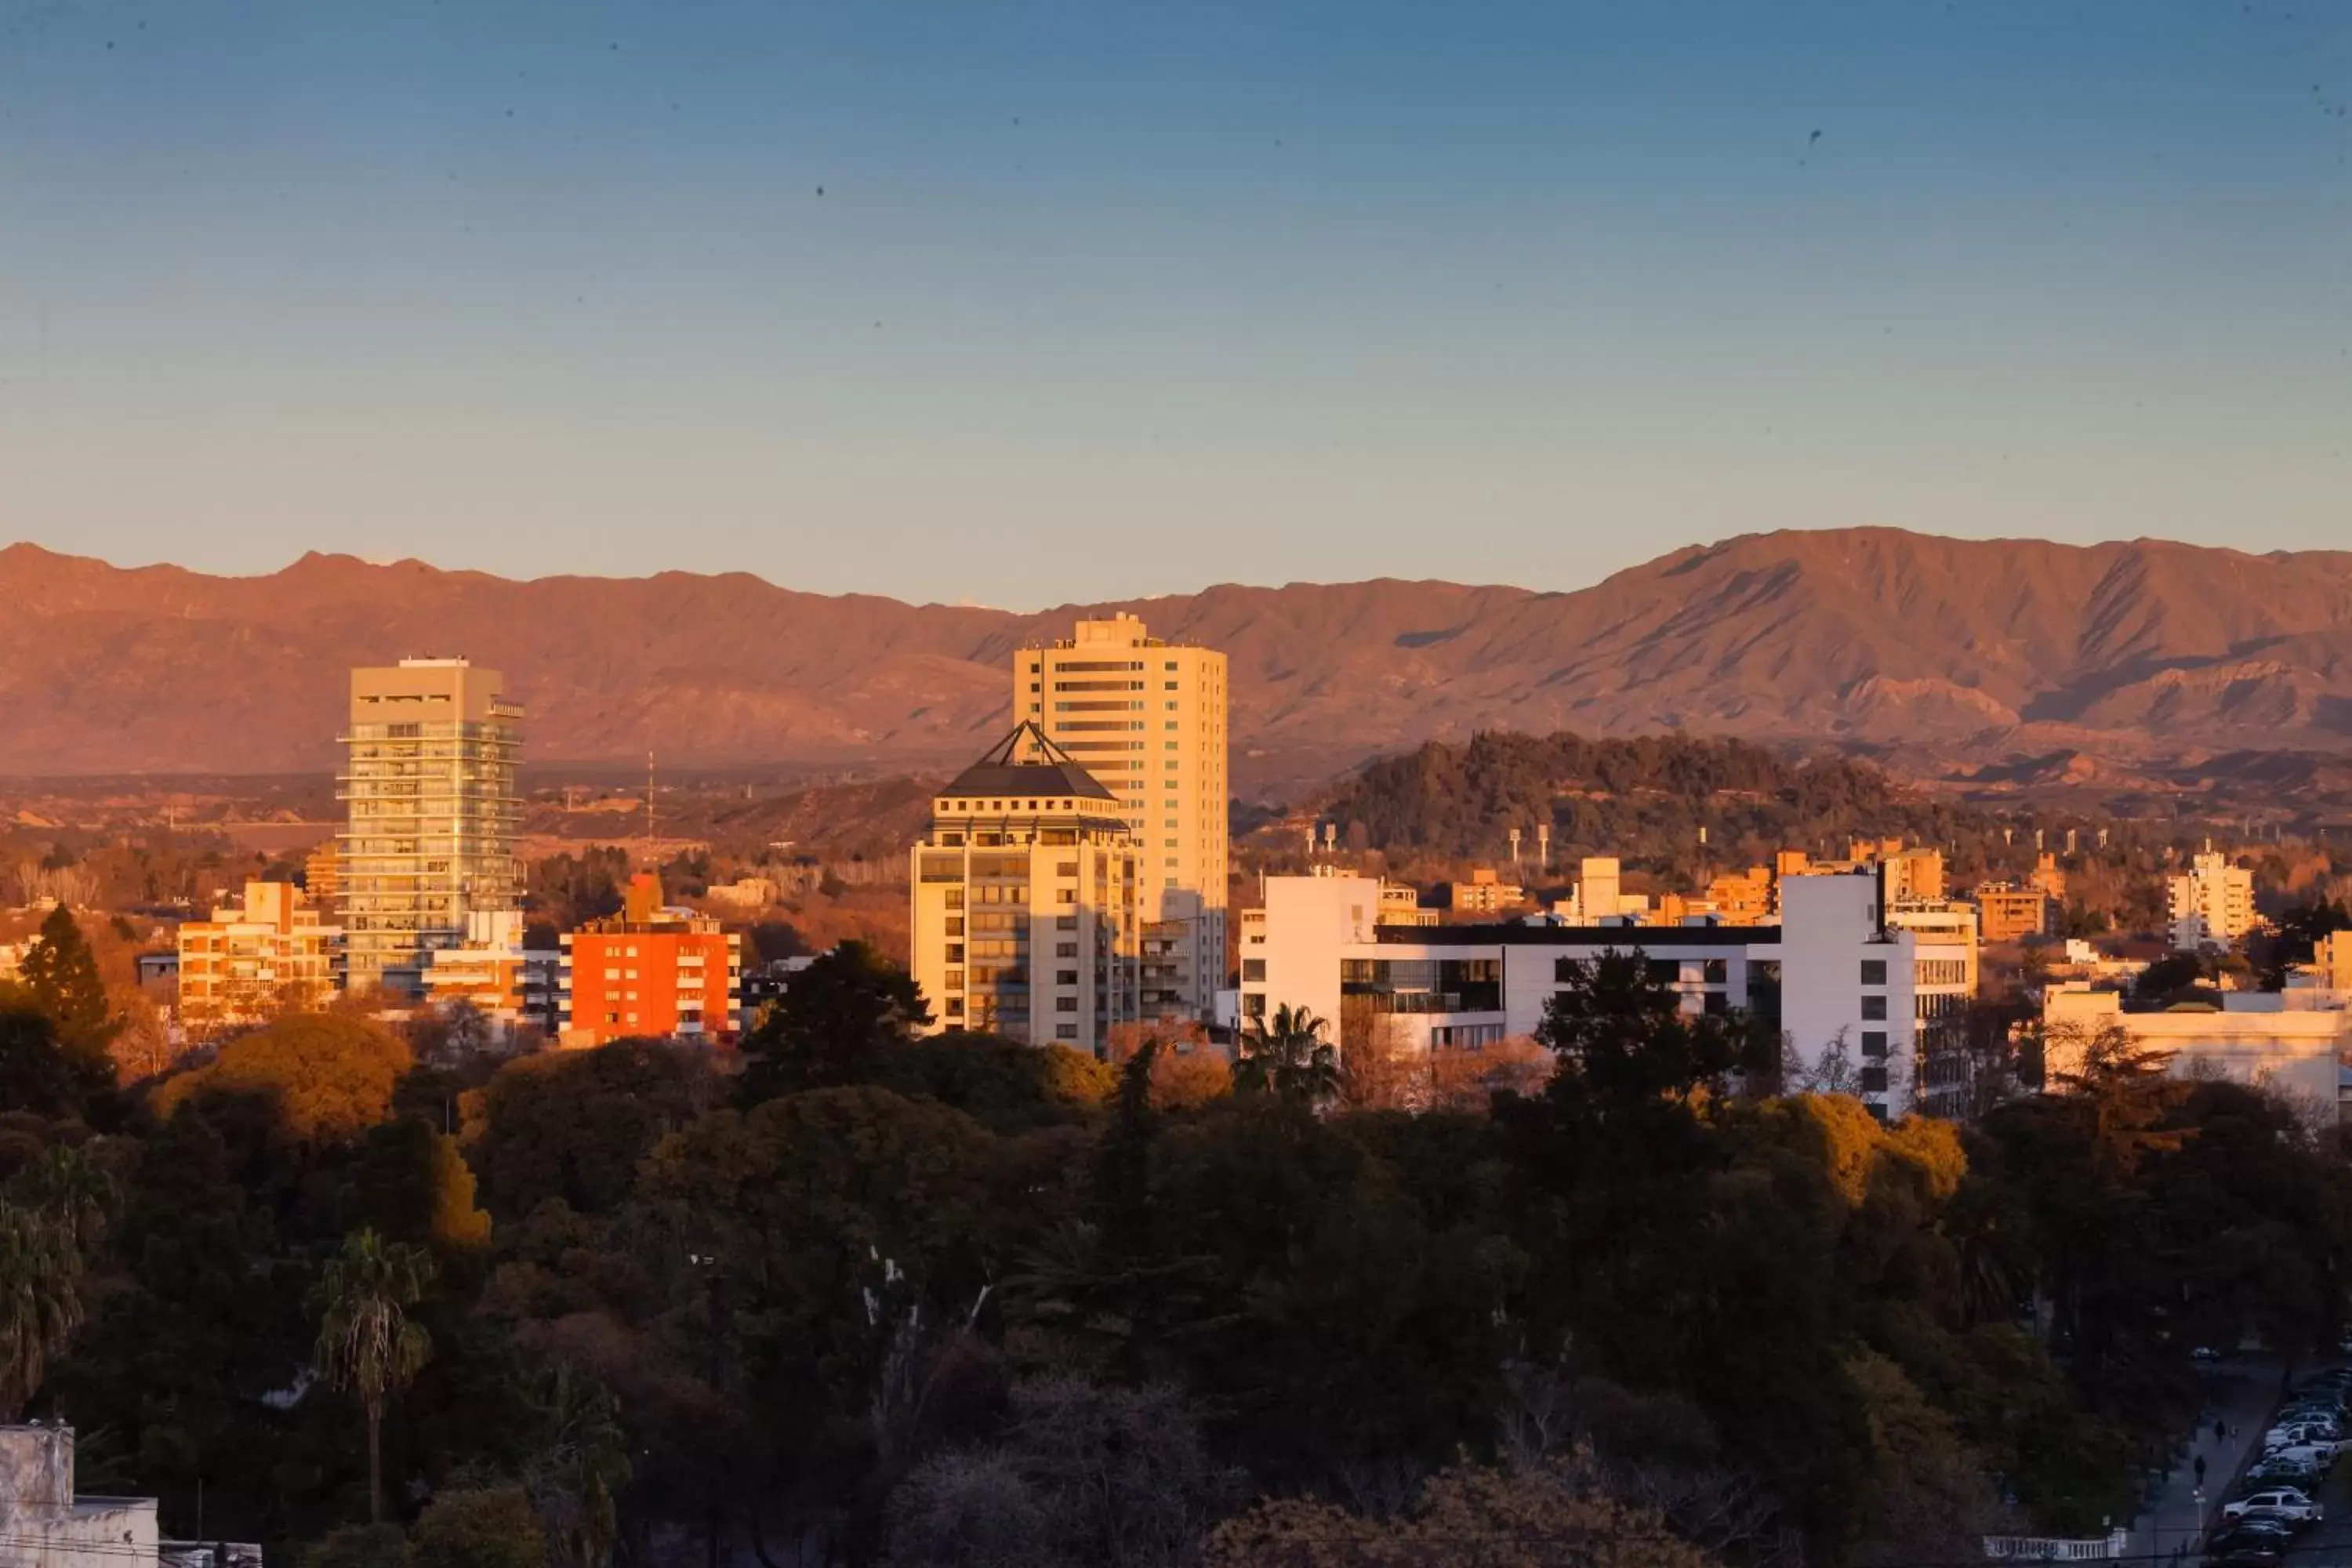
(429, 783)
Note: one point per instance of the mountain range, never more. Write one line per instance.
(1866, 637)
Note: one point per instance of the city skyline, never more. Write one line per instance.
(1522, 296)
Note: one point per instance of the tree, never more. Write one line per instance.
(40, 1302)
(366, 1343)
(576, 1476)
(36, 1074)
(1539, 1516)
(1287, 1056)
(70, 1189)
(320, 1079)
(490, 1528)
(572, 1125)
(61, 973)
(832, 1021)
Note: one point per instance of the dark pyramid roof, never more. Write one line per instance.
(1039, 768)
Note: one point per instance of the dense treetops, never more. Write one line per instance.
(880, 1300)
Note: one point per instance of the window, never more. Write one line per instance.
(1717, 971)
(1873, 972)
(1873, 1009)
(1066, 895)
(1065, 1003)
(1566, 971)
(1065, 1031)
(1254, 1004)
(955, 952)
(1253, 969)
(955, 979)
(1664, 971)
(1066, 977)
(1873, 1080)
(955, 1006)
(1065, 949)
(955, 925)
(1070, 869)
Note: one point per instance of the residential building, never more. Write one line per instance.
(322, 877)
(1832, 973)
(1147, 719)
(493, 973)
(2006, 912)
(2210, 903)
(650, 972)
(430, 785)
(1024, 894)
(1483, 894)
(49, 1525)
(2332, 962)
(1742, 898)
(1400, 906)
(267, 952)
(1945, 971)
(2290, 1041)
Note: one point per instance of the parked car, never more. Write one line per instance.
(2316, 1434)
(2280, 1503)
(2249, 1541)
(2315, 1456)
(2270, 1473)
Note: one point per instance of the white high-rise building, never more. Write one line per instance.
(2213, 902)
(430, 783)
(1147, 719)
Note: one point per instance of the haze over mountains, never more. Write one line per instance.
(1987, 649)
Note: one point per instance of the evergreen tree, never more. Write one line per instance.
(61, 973)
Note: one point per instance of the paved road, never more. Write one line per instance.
(2243, 1395)
(2329, 1543)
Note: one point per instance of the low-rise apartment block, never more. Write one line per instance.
(650, 972)
(1834, 974)
(268, 953)
(2006, 912)
(494, 973)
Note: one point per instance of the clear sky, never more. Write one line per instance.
(1024, 303)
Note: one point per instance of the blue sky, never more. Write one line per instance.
(1106, 300)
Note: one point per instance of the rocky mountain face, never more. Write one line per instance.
(1869, 636)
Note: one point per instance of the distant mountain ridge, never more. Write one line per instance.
(1867, 636)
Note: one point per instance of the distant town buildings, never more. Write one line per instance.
(1025, 893)
(430, 785)
(2210, 904)
(1147, 719)
(269, 951)
(650, 971)
(2332, 963)
(2291, 1041)
(1483, 894)
(2006, 912)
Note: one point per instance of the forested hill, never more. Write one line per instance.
(1645, 799)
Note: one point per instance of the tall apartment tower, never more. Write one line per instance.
(430, 783)
(1023, 899)
(1147, 719)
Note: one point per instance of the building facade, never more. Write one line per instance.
(2294, 1044)
(1834, 975)
(650, 972)
(2006, 913)
(268, 953)
(1149, 720)
(429, 780)
(493, 973)
(1025, 897)
(2211, 903)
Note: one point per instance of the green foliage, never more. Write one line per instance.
(572, 1125)
(40, 1301)
(835, 1019)
(366, 1342)
(489, 1528)
(310, 1078)
(38, 1074)
(411, 1184)
(61, 974)
(1643, 798)
(1288, 1056)
(360, 1546)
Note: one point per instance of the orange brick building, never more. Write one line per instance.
(649, 972)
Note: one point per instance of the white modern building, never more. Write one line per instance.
(2293, 1041)
(1834, 972)
(2211, 904)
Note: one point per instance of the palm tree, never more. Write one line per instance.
(40, 1302)
(1288, 1056)
(71, 1191)
(576, 1478)
(366, 1343)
